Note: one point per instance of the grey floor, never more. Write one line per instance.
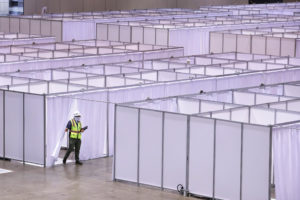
(92, 180)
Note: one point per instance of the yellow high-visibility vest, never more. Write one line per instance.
(75, 130)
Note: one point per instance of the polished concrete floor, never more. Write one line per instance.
(92, 180)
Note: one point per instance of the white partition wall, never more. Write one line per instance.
(228, 160)
(34, 141)
(201, 156)
(208, 157)
(150, 160)
(22, 136)
(175, 150)
(126, 144)
(14, 124)
(1, 124)
(256, 149)
(253, 41)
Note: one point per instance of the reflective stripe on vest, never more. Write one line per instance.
(75, 130)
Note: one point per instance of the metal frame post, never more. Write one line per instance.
(138, 147)
(115, 141)
(241, 166)
(4, 124)
(270, 161)
(23, 96)
(187, 153)
(214, 160)
(45, 130)
(162, 150)
(107, 124)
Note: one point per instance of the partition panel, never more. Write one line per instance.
(258, 45)
(297, 53)
(229, 43)
(210, 106)
(288, 47)
(175, 151)
(57, 87)
(150, 153)
(221, 115)
(188, 106)
(263, 98)
(201, 156)
(257, 66)
(262, 116)
(162, 37)
(35, 27)
(34, 129)
(228, 160)
(215, 42)
(125, 33)
(283, 116)
(38, 88)
(284, 98)
(126, 144)
(14, 125)
(14, 26)
(113, 32)
(278, 105)
(243, 98)
(56, 30)
(256, 162)
(292, 106)
(4, 24)
(25, 26)
(137, 34)
(240, 115)
(102, 30)
(1, 124)
(149, 35)
(45, 27)
(243, 43)
(292, 90)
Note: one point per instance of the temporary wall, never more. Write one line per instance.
(194, 39)
(23, 132)
(202, 162)
(63, 60)
(21, 39)
(257, 44)
(136, 93)
(81, 26)
(227, 147)
(287, 89)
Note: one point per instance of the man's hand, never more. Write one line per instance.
(84, 128)
(66, 130)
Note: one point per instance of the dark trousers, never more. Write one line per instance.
(73, 143)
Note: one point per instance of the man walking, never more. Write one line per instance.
(75, 129)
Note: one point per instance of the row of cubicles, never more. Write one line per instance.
(217, 145)
(70, 88)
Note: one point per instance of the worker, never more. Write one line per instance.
(75, 129)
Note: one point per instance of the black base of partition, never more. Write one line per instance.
(5, 159)
(200, 197)
(264, 1)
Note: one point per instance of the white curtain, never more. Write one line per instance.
(94, 138)
(286, 151)
(59, 112)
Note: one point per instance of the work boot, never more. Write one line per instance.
(64, 161)
(78, 163)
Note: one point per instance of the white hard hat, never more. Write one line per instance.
(76, 114)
